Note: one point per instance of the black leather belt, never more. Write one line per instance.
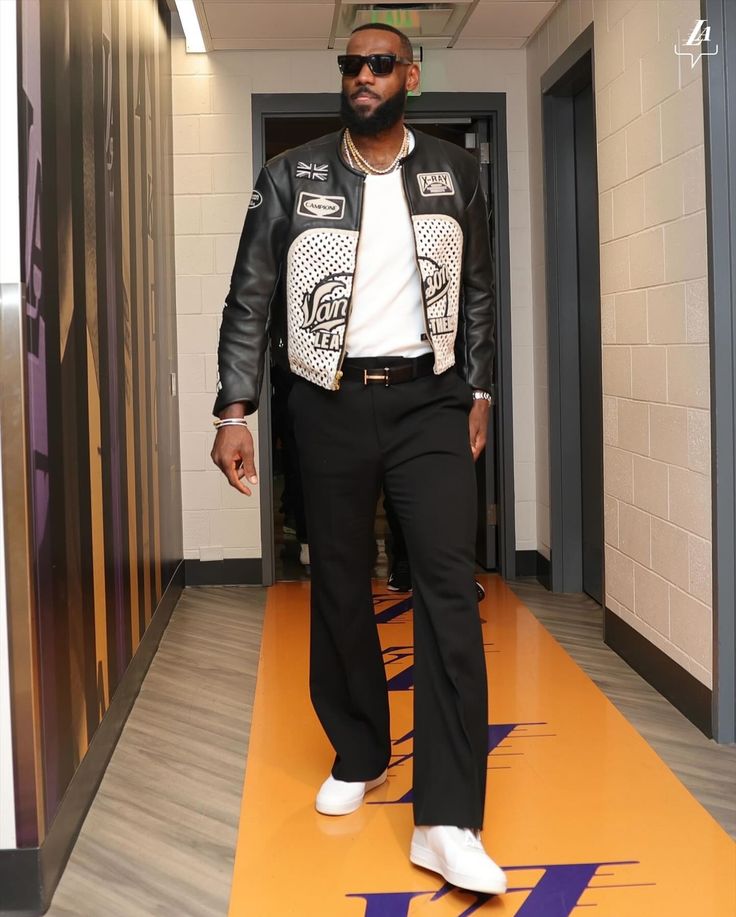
(388, 371)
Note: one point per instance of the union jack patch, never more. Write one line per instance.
(311, 170)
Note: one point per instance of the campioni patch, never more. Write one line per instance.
(435, 184)
(256, 199)
(320, 206)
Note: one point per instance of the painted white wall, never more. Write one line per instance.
(212, 182)
(9, 273)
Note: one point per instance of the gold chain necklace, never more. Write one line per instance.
(365, 165)
(355, 156)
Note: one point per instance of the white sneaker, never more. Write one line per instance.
(340, 797)
(457, 854)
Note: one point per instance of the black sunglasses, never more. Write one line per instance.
(380, 64)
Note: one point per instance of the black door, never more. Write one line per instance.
(589, 329)
(573, 331)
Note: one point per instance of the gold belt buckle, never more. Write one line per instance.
(375, 377)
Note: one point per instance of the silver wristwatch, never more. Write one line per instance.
(479, 393)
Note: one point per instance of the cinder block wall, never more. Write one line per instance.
(654, 302)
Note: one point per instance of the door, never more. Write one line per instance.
(573, 330)
(589, 330)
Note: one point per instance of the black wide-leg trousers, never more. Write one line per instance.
(413, 438)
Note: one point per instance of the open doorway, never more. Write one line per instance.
(289, 122)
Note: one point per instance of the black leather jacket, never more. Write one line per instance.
(296, 259)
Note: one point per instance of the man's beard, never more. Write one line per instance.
(380, 119)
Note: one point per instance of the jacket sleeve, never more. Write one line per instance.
(479, 295)
(246, 314)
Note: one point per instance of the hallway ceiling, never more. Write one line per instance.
(229, 25)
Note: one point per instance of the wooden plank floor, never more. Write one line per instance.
(161, 833)
(160, 836)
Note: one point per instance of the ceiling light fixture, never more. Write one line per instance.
(190, 24)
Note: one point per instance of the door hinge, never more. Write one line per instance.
(485, 153)
(491, 514)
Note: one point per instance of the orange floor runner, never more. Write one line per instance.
(581, 813)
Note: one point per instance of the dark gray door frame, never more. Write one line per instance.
(719, 88)
(439, 105)
(557, 85)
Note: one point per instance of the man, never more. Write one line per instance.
(379, 237)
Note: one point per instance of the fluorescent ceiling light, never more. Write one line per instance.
(190, 24)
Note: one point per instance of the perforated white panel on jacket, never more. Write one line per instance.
(440, 253)
(320, 268)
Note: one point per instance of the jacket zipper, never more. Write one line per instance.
(416, 261)
(338, 373)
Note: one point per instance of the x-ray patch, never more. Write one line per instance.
(435, 184)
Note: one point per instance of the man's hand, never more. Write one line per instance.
(478, 423)
(233, 452)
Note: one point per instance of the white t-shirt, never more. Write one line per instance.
(386, 316)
